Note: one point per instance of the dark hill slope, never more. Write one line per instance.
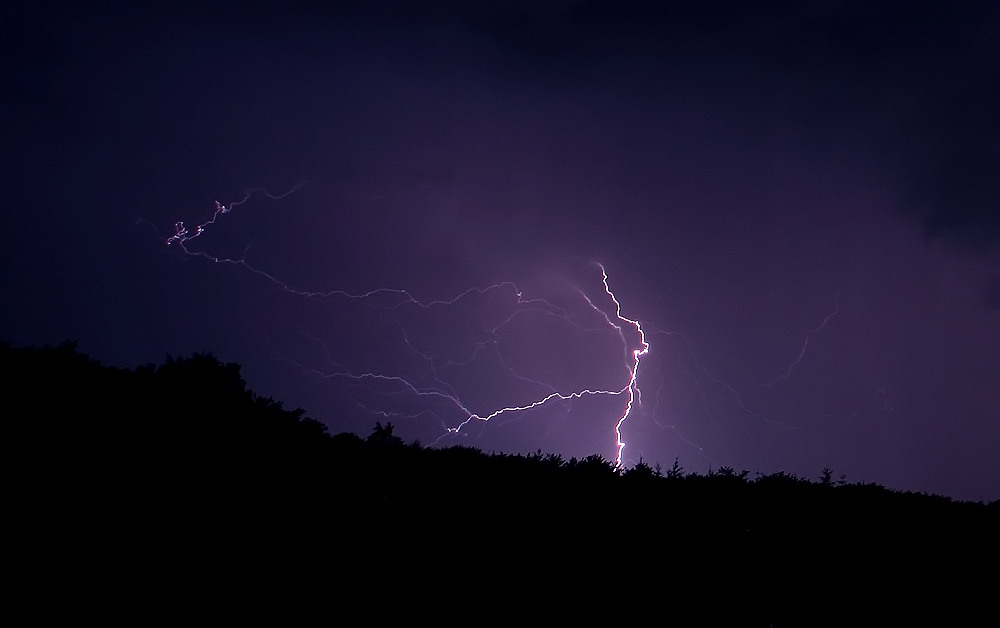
(177, 481)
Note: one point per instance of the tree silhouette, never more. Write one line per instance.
(179, 464)
(382, 436)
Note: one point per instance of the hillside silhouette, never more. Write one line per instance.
(177, 474)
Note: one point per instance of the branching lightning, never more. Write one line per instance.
(630, 332)
(449, 405)
(805, 345)
(182, 235)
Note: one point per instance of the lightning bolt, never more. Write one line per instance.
(182, 235)
(629, 331)
(632, 388)
(805, 345)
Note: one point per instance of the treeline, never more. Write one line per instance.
(180, 463)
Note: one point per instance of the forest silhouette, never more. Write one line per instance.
(179, 468)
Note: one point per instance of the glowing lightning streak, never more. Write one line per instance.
(182, 236)
(805, 345)
(632, 388)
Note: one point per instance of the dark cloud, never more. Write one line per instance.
(963, 207)
(991, 293)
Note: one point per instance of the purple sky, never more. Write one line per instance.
(801, 207)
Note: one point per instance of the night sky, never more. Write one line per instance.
(797, 206)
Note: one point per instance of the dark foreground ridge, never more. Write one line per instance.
(174, 486)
